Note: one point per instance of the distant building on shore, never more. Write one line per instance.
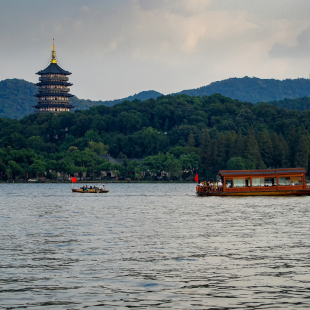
(53, 94)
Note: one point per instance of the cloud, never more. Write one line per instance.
(117, 48)
(176, 7)
(300, 49)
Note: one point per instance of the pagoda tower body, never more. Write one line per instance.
(53, 94)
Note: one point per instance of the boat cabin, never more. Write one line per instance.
(258, 181)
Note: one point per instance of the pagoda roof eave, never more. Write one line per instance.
(53, 68)
(54, 83)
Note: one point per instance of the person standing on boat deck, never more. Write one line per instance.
(208, 185)
(220, 184)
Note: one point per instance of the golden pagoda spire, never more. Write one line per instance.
(53, 61)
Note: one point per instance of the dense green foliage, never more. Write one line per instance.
(299, 104)
(176, 136)
(17, 100)
(254, 89)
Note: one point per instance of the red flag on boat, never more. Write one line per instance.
(196, 177)
(73, 180)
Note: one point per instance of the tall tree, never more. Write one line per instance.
(204, 150)
(291, 141)
(302, 148)
(229, 141)
(253, 159)
(285, 161)
(277, 151)
(302, 152)
(238, 148)
(265, 147)
(218, 154)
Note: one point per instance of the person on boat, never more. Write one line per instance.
(102, 187)
(208, 184)
(90, 187)
(220, 185)
(86, 188)
(83, 188)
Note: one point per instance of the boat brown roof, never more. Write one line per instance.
(262, 172)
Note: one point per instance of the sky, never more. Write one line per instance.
(117, 48)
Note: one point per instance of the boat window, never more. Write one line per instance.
(229, 183)
(239, 182)
(248, 182)
(296, 181)
(270, 181)
(284, 181)
(258, 182)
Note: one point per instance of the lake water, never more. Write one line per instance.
(151, 246)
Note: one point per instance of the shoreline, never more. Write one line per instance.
(102, 182)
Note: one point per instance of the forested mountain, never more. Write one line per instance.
(177, 134)
(299, 104)
(254, 89)
(16, 96)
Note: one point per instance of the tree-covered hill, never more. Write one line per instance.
(17, 101)
(299, 104)
(17, 98)
(254, 89)
(177, 135)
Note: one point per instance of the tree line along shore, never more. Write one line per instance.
(170, 138)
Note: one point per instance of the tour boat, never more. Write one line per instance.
(271, 182)
(90, 190)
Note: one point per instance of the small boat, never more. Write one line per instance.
(270, 182)
(90, 190)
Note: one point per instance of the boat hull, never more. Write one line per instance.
(90, 191)
(257, 193)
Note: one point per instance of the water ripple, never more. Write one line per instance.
(151, 246)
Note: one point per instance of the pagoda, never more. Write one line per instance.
(53, 94)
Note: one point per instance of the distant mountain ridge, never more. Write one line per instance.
(82, 104)
(17, 100)
(255, 90)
